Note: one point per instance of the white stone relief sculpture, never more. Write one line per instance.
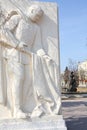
(30, 72)
(2, 71)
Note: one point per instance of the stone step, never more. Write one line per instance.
(34, 124)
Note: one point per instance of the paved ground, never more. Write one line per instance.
(75, 113)
(73, 96)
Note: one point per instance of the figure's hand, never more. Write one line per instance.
(40, 52)
(22, 45)
(48, 57)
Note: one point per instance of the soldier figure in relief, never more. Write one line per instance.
(30, 71)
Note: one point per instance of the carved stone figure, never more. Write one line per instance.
(31, 74)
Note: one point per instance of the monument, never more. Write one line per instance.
(30, 95)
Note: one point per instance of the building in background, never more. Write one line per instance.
(82, 71)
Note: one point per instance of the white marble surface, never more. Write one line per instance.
(48, 123)
(30, 59)
(30, 96)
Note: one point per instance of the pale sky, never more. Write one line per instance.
(72, 30)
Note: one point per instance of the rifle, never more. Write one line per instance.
(6, 45)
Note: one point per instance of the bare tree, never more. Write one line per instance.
(73, 65)
(82, 75)
(66, 75)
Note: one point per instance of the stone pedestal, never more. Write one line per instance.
(46, 123)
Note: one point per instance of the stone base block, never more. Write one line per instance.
(46, 123)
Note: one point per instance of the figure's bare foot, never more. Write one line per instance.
(19, 114)
(37, 112)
